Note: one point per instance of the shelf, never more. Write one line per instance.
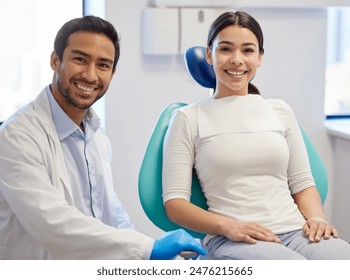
(339, 128)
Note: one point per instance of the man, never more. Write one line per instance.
(56, 192)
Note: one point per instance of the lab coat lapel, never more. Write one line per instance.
(43, 109)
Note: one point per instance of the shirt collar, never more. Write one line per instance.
(65, 126)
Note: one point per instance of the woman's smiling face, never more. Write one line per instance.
(235, 57)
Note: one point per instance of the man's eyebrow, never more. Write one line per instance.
(108, 60)
(80, 52)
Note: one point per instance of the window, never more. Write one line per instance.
(28, 29)
(337, 96)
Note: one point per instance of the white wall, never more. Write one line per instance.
(293, 70)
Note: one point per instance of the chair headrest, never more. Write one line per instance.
(198, 67)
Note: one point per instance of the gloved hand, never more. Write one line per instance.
(172, 243)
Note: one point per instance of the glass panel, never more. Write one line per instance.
(27, 30)
(337, 98)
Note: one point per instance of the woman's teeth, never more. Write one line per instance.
(235, 73)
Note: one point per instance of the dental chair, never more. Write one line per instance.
(150, 176)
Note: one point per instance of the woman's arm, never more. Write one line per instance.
(195, 218)
(299, 175)
(310, 205)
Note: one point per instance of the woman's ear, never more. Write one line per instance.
(209, 56)
(260, 60)
(54, 61)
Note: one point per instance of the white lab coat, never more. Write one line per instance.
(38, 219)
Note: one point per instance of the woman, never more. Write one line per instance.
(251, 161)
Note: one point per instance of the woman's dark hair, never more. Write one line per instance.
(88, 24)
(243, 20)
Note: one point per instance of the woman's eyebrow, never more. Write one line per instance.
(244, 44)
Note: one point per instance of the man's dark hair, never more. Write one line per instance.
(88, 24)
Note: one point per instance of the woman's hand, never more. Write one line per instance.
(248, 232)
(185, 213)
(317, 227)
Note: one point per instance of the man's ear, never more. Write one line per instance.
(114, 70)
(54, 61)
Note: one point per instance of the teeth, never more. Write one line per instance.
(235, 73)
(85, 88)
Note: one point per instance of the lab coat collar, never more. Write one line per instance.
(66, 126)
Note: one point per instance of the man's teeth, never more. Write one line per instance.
(235, 73)
(85, 88)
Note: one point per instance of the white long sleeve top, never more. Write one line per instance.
(249, 156)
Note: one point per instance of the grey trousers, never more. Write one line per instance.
(294, 246)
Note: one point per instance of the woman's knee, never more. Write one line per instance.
(332, 249)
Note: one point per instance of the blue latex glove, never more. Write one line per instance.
(172, 243)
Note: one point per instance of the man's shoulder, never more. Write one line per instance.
(27, 121)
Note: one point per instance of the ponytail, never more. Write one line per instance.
(253, 89)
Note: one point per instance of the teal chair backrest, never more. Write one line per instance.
(317, 168)
(150, 176)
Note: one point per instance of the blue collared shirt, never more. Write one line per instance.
(88, 162)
